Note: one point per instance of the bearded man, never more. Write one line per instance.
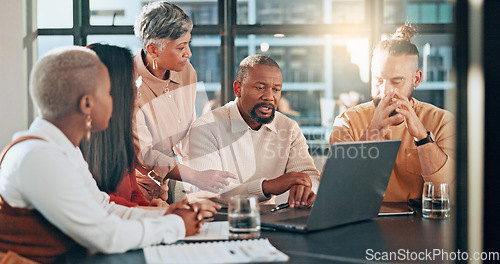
(248, 137)
(427, 132)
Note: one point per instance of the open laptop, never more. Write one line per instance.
(352, 188)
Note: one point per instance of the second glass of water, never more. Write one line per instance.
(244, 217)
(436, 200)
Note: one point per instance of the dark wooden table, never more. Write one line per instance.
(400, 238)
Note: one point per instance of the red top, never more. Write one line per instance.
(128, 193)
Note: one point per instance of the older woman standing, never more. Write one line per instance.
(48, 198)
(166, 101)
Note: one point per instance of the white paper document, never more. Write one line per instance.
(230, 251)
(212, 231)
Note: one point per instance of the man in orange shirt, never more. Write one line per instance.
(427, 132)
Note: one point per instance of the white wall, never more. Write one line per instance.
(475, 131)
(13, 68)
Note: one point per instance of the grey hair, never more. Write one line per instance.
(160, 22)
(251, 61)
(61, 77)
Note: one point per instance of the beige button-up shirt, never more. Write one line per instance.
(222, 140)
(165, 111)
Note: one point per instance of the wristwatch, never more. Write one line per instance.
(428, 139)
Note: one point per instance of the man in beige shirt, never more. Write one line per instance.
(264, 148)
(427, 133)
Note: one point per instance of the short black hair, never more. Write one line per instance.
(251, 61)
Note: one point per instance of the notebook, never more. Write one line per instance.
(230, 251)
(352, 188)
(211, 231)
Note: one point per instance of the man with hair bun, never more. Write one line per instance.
(427, 133)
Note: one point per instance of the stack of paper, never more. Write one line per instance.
(229, 251)
(212, 231)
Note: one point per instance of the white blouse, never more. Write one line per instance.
(52, 177)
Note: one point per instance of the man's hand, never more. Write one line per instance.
(284, 182)
(413, 123)
(381, 120)
(301, 195)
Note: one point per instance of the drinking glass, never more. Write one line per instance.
(244, 217)
(436, 200)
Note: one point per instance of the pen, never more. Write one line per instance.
(265, 228)
(279, 207)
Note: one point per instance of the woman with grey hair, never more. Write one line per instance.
(166, 101)
(48, 198)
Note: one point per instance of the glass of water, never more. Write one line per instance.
(244, 217)
(436, 200)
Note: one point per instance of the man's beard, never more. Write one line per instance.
(376, 100)
(262, 120)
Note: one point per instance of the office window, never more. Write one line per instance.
(345, 12)
(46, 43)
(126, 41)
(201, 12)
(46, 17)
(206, 61)
(418, 11)
(114, 12)
(263, 12)
(323, 48)
(124, 12)
(436, 62)
(279, 12)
